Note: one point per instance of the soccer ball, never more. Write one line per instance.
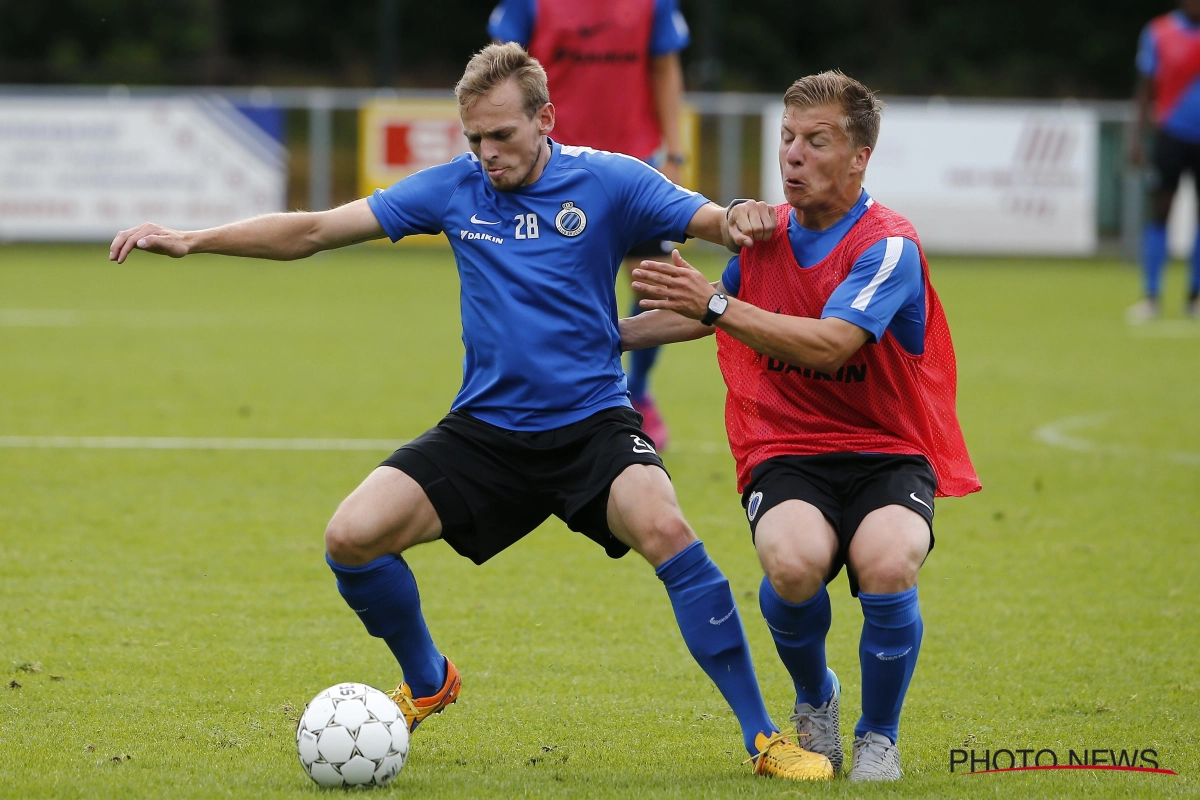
(352, 735)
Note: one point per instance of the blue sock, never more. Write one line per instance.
(1194, 278)
(640, 364)
(1154, 256)
(799, 631)
(891, 641)
(384, 594)
(712, 629)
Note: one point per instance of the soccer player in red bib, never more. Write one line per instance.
(840, 410)
(614, 72)
(1168, 94)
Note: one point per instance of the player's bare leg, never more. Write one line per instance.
(888, 549)
(387, 514)
(797, 545)
(644, 513)
(886, 554)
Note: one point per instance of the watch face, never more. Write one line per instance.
(718, 303)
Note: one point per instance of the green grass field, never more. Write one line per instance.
(167, 613)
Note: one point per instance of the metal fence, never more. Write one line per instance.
(730, 147)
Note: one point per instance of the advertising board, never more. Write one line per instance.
(82, 168)
(979, 179)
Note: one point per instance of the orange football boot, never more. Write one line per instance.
(779, 757)
(416, 709)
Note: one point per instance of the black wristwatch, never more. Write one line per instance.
(733, 203)
(716, 307)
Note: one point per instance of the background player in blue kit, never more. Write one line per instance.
(542, 424)
(1168, 98)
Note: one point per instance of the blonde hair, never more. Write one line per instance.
(859, 106)
(495, 64)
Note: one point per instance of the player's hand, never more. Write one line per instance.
(673, 171)
(149, 237)
(1137, 153)
(677, 287)
(750, 222)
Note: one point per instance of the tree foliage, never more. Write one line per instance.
(1030, 48)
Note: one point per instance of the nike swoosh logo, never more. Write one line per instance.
(715, 621)
(882, 657)
(479, 221)
(913, 495)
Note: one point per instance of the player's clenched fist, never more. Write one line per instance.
(149, 237)
(749, 222)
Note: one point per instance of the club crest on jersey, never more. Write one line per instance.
(752, 507)
(571, 221)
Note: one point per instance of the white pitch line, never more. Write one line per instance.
(186, 443)
(107, 318)
(1060, 434)
(1167, 329)
(37, 318)
(226, 443)
(705, 448)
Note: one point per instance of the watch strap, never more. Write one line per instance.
(712, 315)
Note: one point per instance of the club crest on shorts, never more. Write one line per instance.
(752, 506)
(571, 221)
(640, 445)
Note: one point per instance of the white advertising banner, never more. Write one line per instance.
(980, 179)
(1181, 226)
(82, 168)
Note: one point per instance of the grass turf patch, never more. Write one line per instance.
(167, 613)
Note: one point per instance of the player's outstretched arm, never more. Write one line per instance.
(1143, 99)
(736, 227)
(281, 237)
(662, 326)
(656, 328)
(819, 344)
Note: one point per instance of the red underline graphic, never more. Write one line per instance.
(1077, 766)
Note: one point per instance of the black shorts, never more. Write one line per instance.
(1171, 158)
(653, 250)
(491, 486)
(845, 487)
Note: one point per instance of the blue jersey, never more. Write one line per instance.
(885, 290)
(538, 267)
(1169, 55)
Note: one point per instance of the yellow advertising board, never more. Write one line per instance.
(400, 137)
(689, 132)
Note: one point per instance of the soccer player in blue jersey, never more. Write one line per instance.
(542, 424)
(1168, 98)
